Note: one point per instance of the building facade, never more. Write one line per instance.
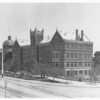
(7, 53)
(18, 57)
(73, 56)
(78, 55)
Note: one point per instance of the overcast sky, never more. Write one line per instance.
(65, 16)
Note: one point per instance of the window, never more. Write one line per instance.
(57, 64)
(80, 72)
(85, 72)
(75, 55)
(57, 55)
(53, 55)
(75, 72)
(71, 64)
(53, 64)
(68, 55)
(89, 64)
(89, 71)
(89, 55)
(68, 46)
(68, 72)
(75, 64)
(85, 55)
(80, 46)
(86, 47)
(80, 55)
(75, 46)
(80, 64)
(67, 64)
(85, 64)
(72, 46)
(71, 55)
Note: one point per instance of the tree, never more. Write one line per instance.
(93, 76)
(55, 72)
(14, 67)
(42, 69)
(27, 67)
(8, 61)
(8, 56)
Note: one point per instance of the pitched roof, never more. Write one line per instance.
(67, 38)
(50, 38)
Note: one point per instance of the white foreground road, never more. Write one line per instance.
(19, 88)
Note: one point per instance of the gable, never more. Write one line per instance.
(57, 42)
(57, 38)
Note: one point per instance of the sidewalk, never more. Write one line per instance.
(77, 83)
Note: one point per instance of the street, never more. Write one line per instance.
(19, 88)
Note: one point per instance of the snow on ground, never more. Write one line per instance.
(20, 88)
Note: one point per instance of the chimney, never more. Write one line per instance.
(42, 31)
(76, 34)
(82, 38)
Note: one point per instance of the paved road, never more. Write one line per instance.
(20, 88)
(36, 89)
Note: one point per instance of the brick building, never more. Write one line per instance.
(78, 55)
(70, 55)
(20, 57)
(7, 52)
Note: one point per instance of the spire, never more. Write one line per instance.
(16, 42)
(9, 37)
(56, 29)
(9, 31)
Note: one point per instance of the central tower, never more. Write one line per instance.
(36, 36)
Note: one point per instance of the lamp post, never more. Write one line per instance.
(2, 73)
(2, 65)
(2, 68)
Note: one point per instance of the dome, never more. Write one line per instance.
(8, 42)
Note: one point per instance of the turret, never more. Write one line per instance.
(36, 36)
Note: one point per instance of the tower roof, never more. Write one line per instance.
(8, 42)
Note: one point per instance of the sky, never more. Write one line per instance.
(66, 17)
